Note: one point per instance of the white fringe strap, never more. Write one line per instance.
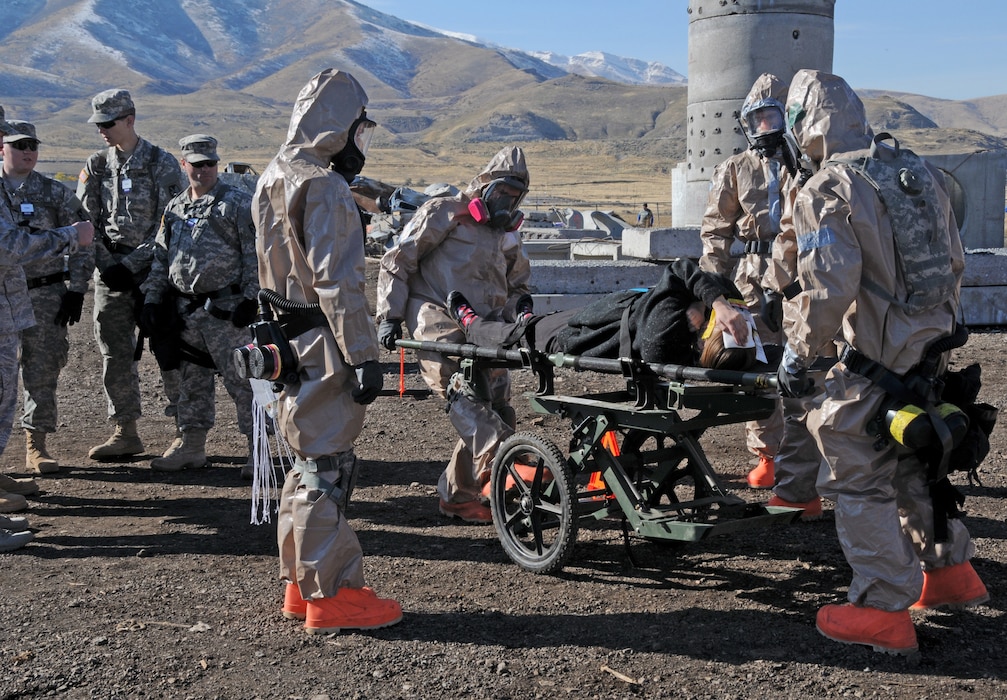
(265, 485)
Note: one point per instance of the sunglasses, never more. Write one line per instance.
(106, 125)
(24, 145)
(205, 164)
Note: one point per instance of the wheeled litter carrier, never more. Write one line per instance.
(632, 454)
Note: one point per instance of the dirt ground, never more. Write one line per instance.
(141, 584)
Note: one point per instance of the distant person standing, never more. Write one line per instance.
(646, 217)
(205, 273)
(39, 203)
(20, 247)
(124, 189)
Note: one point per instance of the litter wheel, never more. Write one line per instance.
(532, 494)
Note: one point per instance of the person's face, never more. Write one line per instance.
(20, 157)
(696, 313)
(117, 132)
(202, 176)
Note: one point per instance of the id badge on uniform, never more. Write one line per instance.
(127, 184)
(27, 208)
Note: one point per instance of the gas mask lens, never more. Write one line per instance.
(765, 120)
(363, 133)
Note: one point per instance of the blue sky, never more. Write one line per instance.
(952, 50)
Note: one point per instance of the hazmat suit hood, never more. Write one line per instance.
(324, 111)
(508, 162)
(767, 91)
(825, 116)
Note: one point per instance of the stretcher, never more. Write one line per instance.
(634, 454)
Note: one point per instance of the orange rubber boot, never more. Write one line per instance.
(527, 474)
(764, 474)
(812, 509)
(957, 586)
(351, 609)
(294, 606)
(888, 632)
(469, 511)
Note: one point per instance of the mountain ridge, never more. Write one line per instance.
(238, 64)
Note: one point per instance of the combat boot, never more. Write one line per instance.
(12, 502)
(125, 442)
(9, 541)
(21, 487)
(37, 459)
(187, 453)
(351, 608)
(13, 523)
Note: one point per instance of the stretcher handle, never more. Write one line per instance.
(747, 380)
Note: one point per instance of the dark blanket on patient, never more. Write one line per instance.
(655, 320)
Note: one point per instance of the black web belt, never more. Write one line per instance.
(197, 300)
(36, 282)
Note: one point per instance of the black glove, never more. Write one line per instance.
(370, 381)
(796, 385)
(150, 319)
(244, 313)
(69, 309)
(389, 331)
(117, 277)
(771, 310)
(525, 306)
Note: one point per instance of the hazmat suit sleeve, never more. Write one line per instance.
(428, 227)
(719, 226)
(518, 269)
(333, 245)
(829, 259)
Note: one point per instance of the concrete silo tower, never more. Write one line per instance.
(731, 43)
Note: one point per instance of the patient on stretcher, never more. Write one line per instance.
(682, 320)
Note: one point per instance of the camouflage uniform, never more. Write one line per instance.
(205, 255)
(15, 304)
(44, 204)
(124, 195)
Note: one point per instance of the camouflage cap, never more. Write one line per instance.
(198, 148)
(110, 105)
(4, 126)
(20, 130)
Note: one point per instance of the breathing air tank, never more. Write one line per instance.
(731, 43)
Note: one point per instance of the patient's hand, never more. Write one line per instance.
(731, 320)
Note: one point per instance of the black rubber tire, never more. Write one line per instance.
(536, 522)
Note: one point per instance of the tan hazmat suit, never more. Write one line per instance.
(441, 249)
(747, 193)
(310, 248)
(852, 282)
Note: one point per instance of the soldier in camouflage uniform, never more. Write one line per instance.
(124, 189)
(40, 203)
(205, 264)
(19, 247)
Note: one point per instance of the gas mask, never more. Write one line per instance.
(350, 161)
(763, 125)
(498, 206)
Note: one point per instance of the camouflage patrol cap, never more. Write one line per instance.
(4, 126)
(198, 148)
(111, 105)
(20, 130)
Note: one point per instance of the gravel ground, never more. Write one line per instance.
(140, 584)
